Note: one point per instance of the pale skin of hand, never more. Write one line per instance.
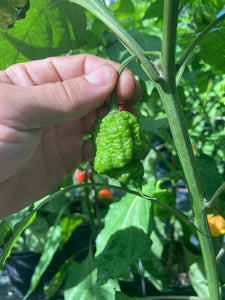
(46, 107)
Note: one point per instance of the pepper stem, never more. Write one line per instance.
(114, 107)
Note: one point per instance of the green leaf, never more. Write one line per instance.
(165, 195)
(56, 282)
(126, 235)
(5, 232)
(7, 14)
(126, 6)
(15, 218)
(209, 174)
(17, 230)
(55, 197)
(48, 30)
(212, 49)
(25, 220)
(36, 234)
(153, 124)
(69, 223)
(77, 18)
(117, 52)
(196, 273)
(155, 272)
(150, 166)
(81, 282)
(122, 296)
(155, 10)
(51, 245)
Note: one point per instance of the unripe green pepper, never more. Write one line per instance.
(119, 147)
(203, 15)
(208, 14)
(197, 15)
(131, 174)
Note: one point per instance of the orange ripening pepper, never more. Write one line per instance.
(105, 194)
(216, 225)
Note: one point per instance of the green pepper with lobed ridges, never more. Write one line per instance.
(119, 147)
(203, 15)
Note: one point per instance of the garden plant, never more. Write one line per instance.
(157, 215)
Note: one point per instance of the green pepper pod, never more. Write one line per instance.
(131, 174)
(119, 146)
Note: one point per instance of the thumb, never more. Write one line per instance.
(59, 102)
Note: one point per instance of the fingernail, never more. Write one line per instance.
(100, 76)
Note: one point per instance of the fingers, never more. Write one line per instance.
(52, 69)
(38, 106)
(60, 89)
(58, 69)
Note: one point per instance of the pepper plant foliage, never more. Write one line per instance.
(180, 65)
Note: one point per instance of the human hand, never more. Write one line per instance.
(46, 107)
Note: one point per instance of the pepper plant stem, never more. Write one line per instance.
(171, 102)
(166, 86)
(100, 11)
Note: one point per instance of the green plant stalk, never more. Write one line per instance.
(100, 11)
(88, 207)
(170, 99)
(167, 89)
(114, 107)
(119, 188)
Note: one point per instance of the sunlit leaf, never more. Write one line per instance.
(126, 235)
(81, 282)
(69, 223)
(51, 246)
(49, 29)
(154, 124)
(17, 230)
(196, 273)
(36, 234)
(116, 51)
(212, 49)
(209, 173)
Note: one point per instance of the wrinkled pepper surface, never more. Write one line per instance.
(119, 147)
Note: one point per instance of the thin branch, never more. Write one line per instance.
(220, 254)
(216, 195)
(125, 190)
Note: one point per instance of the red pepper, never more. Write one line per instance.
(80, 177)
